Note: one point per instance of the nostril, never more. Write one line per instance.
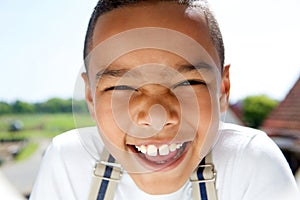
(144, 123)
(169, 124)
(143, 119)
(172, 119)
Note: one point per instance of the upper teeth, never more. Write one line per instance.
(162, 150)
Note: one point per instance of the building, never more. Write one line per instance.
(231, 116)
(283, 126)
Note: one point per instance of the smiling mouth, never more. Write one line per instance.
(160, 154)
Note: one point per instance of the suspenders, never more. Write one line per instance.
(107, 174)
(203, 180)
(106, 177)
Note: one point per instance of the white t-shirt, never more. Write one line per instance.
(249, 167)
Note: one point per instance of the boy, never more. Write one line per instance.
(156, 86)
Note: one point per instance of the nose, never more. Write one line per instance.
(157, 118)
(157, 111)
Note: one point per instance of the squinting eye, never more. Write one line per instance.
(120, 87)
(190, 82)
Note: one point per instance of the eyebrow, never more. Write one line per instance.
(111, 72)
(183, 68)
(189, 67)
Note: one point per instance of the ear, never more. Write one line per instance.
(225, 89)
(88, 95)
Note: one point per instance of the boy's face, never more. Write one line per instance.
(156, 110)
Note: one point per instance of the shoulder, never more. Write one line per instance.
(73, 135)
(251, 164)
(236, 138)
(247, 145)
(66, 169)
(77, 141)
(248, 142)
(236, 145)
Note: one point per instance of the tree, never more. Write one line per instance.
(80, 106)
(22, 107)
(55, 105)
(5, 108)
(256, 109)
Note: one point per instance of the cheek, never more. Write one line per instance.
(106, 123)
(208, 123)
(207, 116)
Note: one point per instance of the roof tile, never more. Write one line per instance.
(285, 118)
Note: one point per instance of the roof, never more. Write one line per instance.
(284, 120)
(231, 116)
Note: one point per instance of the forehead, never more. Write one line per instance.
(147, 56)
(189, 21)
(154, 59)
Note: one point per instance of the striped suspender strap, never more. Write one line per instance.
(107, 174)
(203, 180)
(106, 177)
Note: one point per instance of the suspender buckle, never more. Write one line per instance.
(108, 171)
(209, 174)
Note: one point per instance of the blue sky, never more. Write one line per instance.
(41, 47)
(42, 42)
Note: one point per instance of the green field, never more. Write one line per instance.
(41, 125)
(27, 151)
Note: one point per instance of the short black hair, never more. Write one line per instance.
(104, 6)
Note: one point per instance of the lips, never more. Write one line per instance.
(163, 154)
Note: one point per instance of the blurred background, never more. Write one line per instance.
(41, 56)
